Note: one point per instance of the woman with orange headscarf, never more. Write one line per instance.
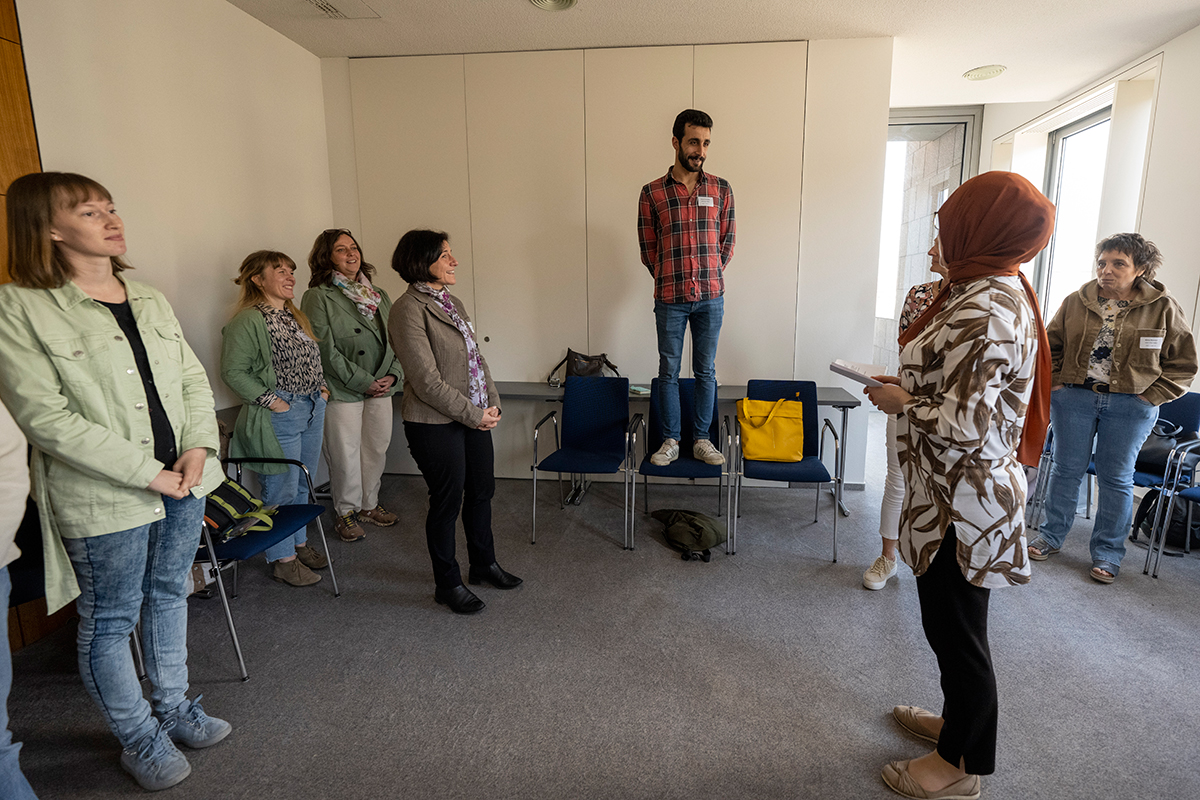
(973, 398)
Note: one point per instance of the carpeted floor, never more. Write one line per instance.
(613, 674)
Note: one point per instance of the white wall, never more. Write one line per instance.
(207, 127)
(845, 131)
(1168, 216)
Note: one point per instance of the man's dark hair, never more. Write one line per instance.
(690, 116)
(416, 252)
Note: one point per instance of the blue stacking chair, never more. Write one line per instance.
(810, 469)
(598, 438)
(686, 466)
(225, 556)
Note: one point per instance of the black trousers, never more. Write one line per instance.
(458, 466)
(954, 615)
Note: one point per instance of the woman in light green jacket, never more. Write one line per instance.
(349, 317)
(120, 415)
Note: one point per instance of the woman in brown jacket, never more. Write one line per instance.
(450, 406)
(1120, 347)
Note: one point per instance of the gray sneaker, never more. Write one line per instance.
(704, 450)
(192, 727)
(154, 762)
(666, 454)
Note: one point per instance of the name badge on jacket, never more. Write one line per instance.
(1152, 342)
(704, 201)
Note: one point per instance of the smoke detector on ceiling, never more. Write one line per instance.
(554, 5)
(984, 73)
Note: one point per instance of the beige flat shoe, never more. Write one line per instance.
(917, 721)
(896, 776)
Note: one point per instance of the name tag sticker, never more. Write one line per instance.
(704, 201)
(1152, 342)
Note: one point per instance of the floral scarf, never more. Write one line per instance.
(478, 385)
(359, 292)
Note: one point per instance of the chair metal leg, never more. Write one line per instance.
(325, 544)
(720, 488)
(533, 530)
(235, 579)
(835, 522)
(817, 505)
(1087, 512)
(215, 570)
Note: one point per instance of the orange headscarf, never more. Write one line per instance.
(991, 225)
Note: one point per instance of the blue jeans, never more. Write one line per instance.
(1119, 425)
(124, 577)
(13, 785)
(299, 431)
(672, 320)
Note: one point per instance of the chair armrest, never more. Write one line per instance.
(312, 492)
(553, 415)
(837, 446)
(635, 422)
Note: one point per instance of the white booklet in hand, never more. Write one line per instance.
(857, 372)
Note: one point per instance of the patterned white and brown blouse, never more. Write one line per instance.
(970, 372)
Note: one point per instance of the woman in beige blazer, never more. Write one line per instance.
(450, 406)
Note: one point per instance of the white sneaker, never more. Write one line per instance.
(704, 450)
(666, 454)
(877, 576)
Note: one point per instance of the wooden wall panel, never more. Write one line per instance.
(8, 21)
(628, 145)
(18, 144)
(525, 137)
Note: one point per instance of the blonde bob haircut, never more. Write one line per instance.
(252, 294)
(33, 260)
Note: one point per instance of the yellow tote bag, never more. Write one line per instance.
(772, 430)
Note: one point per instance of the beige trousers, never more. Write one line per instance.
(357, 436)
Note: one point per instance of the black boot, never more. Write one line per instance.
(460, 599)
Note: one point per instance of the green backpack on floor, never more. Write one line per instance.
(692, 532)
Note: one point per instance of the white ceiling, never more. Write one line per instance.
(1051, 47)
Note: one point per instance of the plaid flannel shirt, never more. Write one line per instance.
(686, 240)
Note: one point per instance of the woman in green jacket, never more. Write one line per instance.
(120, 415)
(349, 317)
(269, 358)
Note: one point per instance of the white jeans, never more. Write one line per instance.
(893, 487)
(357, 436)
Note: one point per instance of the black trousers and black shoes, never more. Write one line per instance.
(458, 465)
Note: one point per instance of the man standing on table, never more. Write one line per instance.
(686, 231)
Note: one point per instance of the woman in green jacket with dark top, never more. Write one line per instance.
(349, 318)
(96, 372)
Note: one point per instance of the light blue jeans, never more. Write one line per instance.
(1119, 425)
(124, 577)
(13, 785)
(299, 431)
(672, 320)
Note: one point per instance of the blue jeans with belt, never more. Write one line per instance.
(125, 577)
(672, 320)
(13, 785)
(1119, 425)
(299, 431)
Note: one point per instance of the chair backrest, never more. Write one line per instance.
(804, 391)
(595, 414)
(1184, 411)
(687, 403)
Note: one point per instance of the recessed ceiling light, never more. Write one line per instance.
(554, 5)
(984, 73)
